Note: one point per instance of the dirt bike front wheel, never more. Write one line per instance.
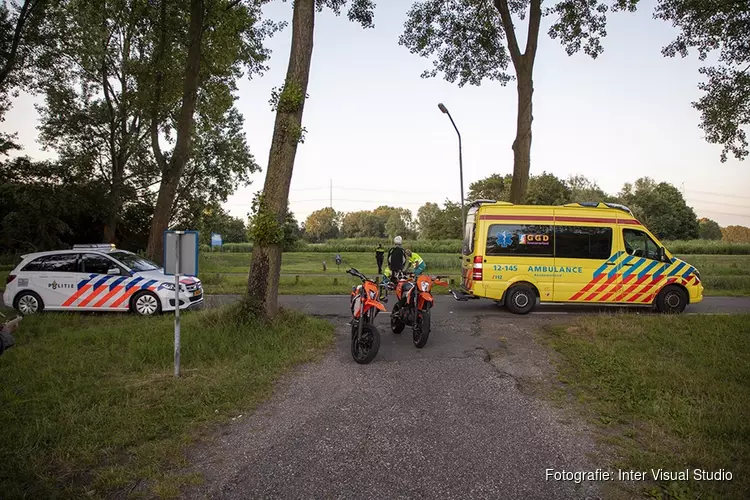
(365, 346)
(421, 330)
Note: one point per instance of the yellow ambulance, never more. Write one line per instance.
(579, 253)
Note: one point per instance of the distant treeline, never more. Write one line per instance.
(680, 247)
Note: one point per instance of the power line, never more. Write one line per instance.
(725, 213)
(719, 203)
(725, 195)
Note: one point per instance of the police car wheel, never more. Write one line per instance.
(28, 303)
(146, 304)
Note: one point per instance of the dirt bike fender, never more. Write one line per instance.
(375, 304)
(426, 296)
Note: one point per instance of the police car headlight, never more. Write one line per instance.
(425, 286)
(170, 287)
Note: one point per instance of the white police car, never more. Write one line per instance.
(95, 278)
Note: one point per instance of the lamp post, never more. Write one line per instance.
(460, 160)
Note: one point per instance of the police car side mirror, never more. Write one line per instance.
(113, 271)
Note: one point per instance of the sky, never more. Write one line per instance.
(375, 133)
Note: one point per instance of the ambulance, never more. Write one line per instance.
(96, 277)
(577, 253)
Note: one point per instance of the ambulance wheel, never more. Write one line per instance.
(520, 299)
(672, 299)
(145, 303)
(28, 302)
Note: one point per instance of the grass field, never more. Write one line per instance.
(88, 406)
(721, 274)
(454, 246)
(227, 272)
(668, 392)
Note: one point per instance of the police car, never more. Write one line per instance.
(95, 278)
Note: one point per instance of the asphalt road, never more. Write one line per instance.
(446, 304)
(456, 419)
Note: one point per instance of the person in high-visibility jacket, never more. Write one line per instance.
(416, 261)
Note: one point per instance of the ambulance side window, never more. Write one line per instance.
(520, 239)
(583, 242)
(639, 244)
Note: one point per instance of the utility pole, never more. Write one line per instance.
(331, 191)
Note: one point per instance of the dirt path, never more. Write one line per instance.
(456, 419)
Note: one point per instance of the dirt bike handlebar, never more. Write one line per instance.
(357, 274)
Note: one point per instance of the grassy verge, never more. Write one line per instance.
(454, 246)
(312, 262)
(671, 392)
(291, 285)
(88, 406)
(721, 274)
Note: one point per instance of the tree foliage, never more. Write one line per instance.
(322, 224)
(474, 40)
(723, 26)
(736, 234)
(661, 208)
(709, 229)
(20, 36)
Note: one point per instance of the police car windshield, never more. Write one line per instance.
(134, 262)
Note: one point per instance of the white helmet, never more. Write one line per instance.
(397, 240)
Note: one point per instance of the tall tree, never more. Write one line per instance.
(289, 102)
(495, 187)
(21, 33)
(547, 189)
(661, 208)
(709, 229)
(710, 25)
(323, 224)
(583, 189)
(466, 38)
(91, 114)
(223, 38)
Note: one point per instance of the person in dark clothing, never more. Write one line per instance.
(379, 257)
(396, 256)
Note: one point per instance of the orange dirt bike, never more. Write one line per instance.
(365, 306)
(413, 305)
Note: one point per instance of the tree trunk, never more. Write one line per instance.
(524, 65)
(522, 143)
(172, 171)
(263, 279)
(115, 205)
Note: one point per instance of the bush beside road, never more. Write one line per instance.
(668, 392)
(91, 405)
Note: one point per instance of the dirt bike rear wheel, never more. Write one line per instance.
(397, 326)
(365, 347)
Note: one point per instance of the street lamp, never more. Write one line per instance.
(460, 160)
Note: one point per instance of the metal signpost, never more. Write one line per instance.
(180, 259)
